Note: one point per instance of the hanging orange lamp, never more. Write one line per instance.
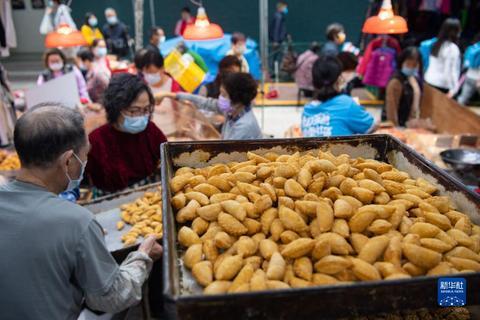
(386, 22)
(202, 29)
(65, 36)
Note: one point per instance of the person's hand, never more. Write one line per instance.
(451, 95)
(96, 107)
(162, 95)
(150, 247)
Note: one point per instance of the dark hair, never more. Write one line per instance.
(186, 10)
(154, 31)
(226, 63)
(409, 53)
(326, 71)
(152, 58)
(122, 90)
(138, 59)
(281, 3)
(87, 17)
(449, 31)
(96, 42)
(85, 54)
(238, 37)
(241, 87)
(476, 38)
(333, 30)
(349, 60)
(315, 47)
(51, 52)
(45, 132)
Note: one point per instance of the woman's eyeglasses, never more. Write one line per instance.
(138, 111)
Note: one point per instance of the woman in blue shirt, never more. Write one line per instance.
(333, 113)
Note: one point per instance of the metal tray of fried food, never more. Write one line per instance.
(107, 213)
(326, 302)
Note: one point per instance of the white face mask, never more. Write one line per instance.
(112, 20)
(152, 78)
(163, 39)
(75, 183)
(240, 50)
(101, 52)
(56, 66)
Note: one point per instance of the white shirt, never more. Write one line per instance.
(243, 60)
(444, 71)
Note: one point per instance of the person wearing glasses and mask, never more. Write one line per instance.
(125, 152)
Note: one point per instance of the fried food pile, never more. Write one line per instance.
(145, 216)
(9, 161)
(292, 221)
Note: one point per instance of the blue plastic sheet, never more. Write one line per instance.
(212, 51)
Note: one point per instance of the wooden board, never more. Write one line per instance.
(447, 115)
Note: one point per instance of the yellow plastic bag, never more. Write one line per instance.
(187, 73)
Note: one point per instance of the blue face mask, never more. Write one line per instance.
(409, 72)
(101, 52)
(135, 125)
(93, 22)
(75, 183)
(285, 10)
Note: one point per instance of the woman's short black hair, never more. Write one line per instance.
(52, 52)
(85, 54)
(227, 62)
(333, 30)
(349, 60)
(152, 58)
(409, 53)
(238, 37)
(121, 92)
(96, 42)
(87, 17)
(138, 59)
(186, 10)
(241, 88)
(326, 71)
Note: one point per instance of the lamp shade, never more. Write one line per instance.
(64, 37)
(203, 29)
(385, 22)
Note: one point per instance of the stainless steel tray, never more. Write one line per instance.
(184, 301)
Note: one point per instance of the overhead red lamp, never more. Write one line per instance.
(386, 22)
(203, 29)
(65, 36)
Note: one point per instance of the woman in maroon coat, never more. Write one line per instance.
(125, 151)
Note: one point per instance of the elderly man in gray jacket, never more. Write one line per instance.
(53, 252)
